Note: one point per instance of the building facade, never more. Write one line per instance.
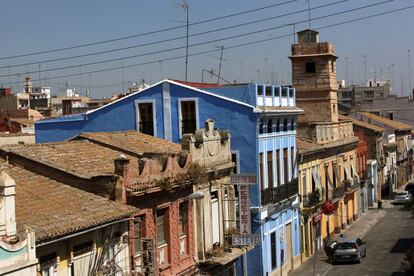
(328, 167)
(170, 109)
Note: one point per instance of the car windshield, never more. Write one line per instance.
(346, 245)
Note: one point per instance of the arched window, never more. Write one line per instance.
(292, 125)
(261, 127)
(269, 126)
(278, 126)
(285, 125)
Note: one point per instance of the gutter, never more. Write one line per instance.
(84, 232)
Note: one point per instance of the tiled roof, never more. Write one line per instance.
(53, 209)
(307, 146)
(362, 124)
(81, 158)
(391, 123)
(132, 141)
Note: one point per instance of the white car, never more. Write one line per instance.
(402, 197)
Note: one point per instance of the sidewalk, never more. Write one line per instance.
(358, 229)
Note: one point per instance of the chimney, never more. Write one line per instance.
(121, 165)
(7, 207)
(121, 168)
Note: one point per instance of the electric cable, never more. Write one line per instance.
(227, 48)
(196, 44)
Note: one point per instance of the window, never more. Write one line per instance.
(278, 167)
(235, 160)
(292, 124)
(48, 264)
(333, 67)
(261, 171)
(278, 126)
(188, 117)
(270, 183)
(82, 258)
(291, 93)
(284, 91)
(273, 249)
(183, 218)
(293, 160)
(137, 235)
(285, 125)
(285, 165)
(260, 90)
(310, 67)
(268, 91)
(261, 127)
(269, 126)
(146, 118)
(161, 236)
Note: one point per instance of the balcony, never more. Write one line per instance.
(338, 192)
(312, 199)
(351, 185)
(270, 96)
(280, 193)
(330, 131)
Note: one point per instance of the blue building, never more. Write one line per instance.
(262, 122)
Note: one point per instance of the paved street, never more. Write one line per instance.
(388, 232)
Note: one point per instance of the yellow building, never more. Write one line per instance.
(326, 173)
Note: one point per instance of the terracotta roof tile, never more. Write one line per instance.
(391, 123)
(305, 145)
(81, 158)
(132, 141)
(362, 124)
(53, 209)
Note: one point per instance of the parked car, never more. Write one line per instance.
(410, 187)
(349, 250)
(402, 198)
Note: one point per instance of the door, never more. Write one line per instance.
(288, 242)
(215, 220)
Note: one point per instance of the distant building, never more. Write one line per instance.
(355, 95)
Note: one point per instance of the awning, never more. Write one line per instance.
(337, 175)
(348, 174)
(316, 178)
(354, 170)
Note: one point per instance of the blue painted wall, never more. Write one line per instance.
(240, 119)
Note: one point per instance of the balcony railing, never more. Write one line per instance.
(351, 185)
(328, 131)
(312, 199)
(280, 193)
(338, 192)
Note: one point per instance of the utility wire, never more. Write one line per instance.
(227, 47)
(196, 44)
(172, 39)
(150, 32)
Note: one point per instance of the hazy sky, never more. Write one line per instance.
(31, 26)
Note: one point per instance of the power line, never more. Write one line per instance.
(196, 44)
(228, 47)
(174, 38)
(148, 33)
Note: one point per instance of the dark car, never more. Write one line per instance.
(349, 250)
(410, 187)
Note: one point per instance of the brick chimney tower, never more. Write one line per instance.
(121, 164)
(314, 77)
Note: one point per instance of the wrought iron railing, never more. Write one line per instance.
(280, 193)
(312, 199)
